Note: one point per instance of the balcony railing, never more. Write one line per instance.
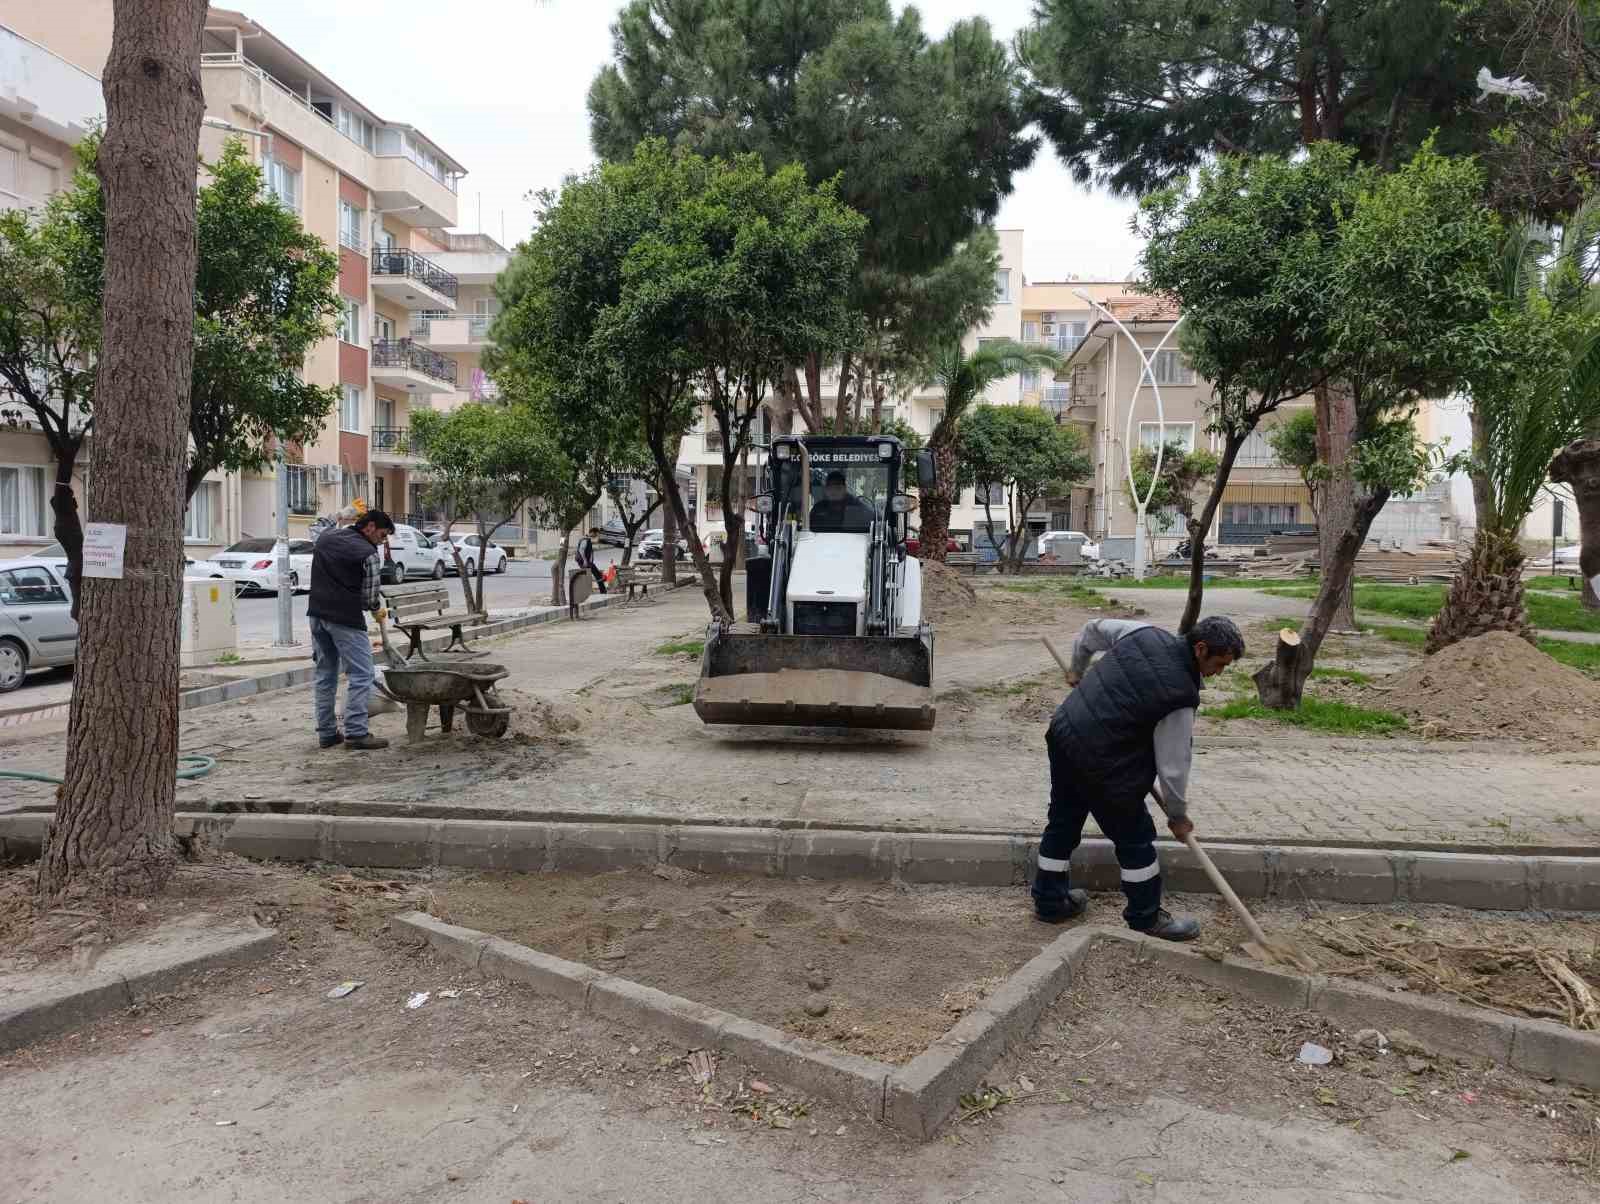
(403, 353)
(404, 263)
(1057, 395)
(477, 325)
(393, 439)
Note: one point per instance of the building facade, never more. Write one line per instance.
(416, 301)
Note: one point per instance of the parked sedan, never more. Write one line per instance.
(494, 561)
(654, 540)
(914, 545)
(1089, 551)
(412, 553)
(37, 630)
(252, 568)
(613, 533)
(56, 557)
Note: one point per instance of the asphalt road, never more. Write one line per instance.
(523, 582)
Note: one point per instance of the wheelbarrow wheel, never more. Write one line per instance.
(489, 725)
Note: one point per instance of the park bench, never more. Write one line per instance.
(418, 609)
(964, 562)
(634, 579)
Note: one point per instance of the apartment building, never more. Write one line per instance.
(416, 300)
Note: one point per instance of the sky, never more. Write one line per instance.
(501, 84)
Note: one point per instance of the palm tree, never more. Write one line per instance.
(1539, 393)
(963, 377)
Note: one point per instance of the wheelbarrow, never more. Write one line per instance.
(468, 685)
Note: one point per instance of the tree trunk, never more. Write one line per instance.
(1280, 684)
(732, 521)
(936, 506)
(669, 532)
(461, 570)
(1486, 594)
(1200, 527)
(1578, 465)
(558, 571)
(112, 831)
(1336, 427)
(477, 606)
(677, 514)
(68, 524)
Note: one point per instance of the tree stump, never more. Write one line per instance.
(1277, 682)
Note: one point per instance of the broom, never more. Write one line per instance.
(1272, 950)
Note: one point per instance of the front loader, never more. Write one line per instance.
(835, 636)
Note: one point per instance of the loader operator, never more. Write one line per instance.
(1125, 730)
(837, 509)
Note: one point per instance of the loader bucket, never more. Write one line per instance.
(817, 681)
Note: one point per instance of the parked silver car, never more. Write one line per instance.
(37, 630)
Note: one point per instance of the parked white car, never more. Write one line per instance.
(494, 561)
(1090, 550)
(652, 542)
(56, 557)
(37, 630)
(1568, 555)
(252, 567)
(412, 554)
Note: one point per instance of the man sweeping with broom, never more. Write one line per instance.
(1125, 730)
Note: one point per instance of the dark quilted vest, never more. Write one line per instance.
(336, 576)
(1106, 726)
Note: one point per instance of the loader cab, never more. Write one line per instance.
(855, 482)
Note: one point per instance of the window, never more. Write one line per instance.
(384, 418)
(352, 485)
(302, 490)
(10, 170)
(22, 500)
(1030, 380)
(383, 329)
(1030, 332)
(1002, 286)
(354, 127)
(349, 326)
(283, 183)
(350, 225)
(38, 178)
(1181, 433)
(935, 417)
(1170, 368)
(350, 411)
(1256, 452)
(30, 587)
(199, 520)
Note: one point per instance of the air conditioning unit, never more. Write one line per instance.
(1050, 317)
(328, 474)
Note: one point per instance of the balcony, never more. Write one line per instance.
(403, 364)
(393, 445)
(469, 333)
(412, 280)
(42, 90)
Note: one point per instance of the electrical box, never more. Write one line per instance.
(210, 626)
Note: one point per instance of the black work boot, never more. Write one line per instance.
(1071, 907)
(1170, 928)
(365, 743)
(330, 741)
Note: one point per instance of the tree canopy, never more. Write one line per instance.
(848, 89)
(1026, 456)
(1137, 93)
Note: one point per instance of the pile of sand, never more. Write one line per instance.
(946, 594)
(1496, 685)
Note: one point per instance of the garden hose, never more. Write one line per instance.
(190, 766)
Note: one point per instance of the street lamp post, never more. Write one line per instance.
(1146, 372)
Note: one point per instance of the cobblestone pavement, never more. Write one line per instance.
(1275, 787)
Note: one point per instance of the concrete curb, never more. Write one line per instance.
(643, 817)
(1537, 1047)
(1485, 882)
(856, 1081)
(126, 975)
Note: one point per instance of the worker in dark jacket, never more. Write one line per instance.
(1125, 730)
(345, 574)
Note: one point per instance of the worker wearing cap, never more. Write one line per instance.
(1125, 730)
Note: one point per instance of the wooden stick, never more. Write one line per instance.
(1056, 652)
(1226, 891)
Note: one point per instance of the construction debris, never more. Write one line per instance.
(1297, 556)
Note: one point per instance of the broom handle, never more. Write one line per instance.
(1225, 890)
(1056, 652)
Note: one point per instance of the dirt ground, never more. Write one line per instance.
(251, 1084)
(887, 971)
(1496, 685)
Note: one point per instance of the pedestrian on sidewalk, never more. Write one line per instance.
(1125, 730)
(345, 568)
